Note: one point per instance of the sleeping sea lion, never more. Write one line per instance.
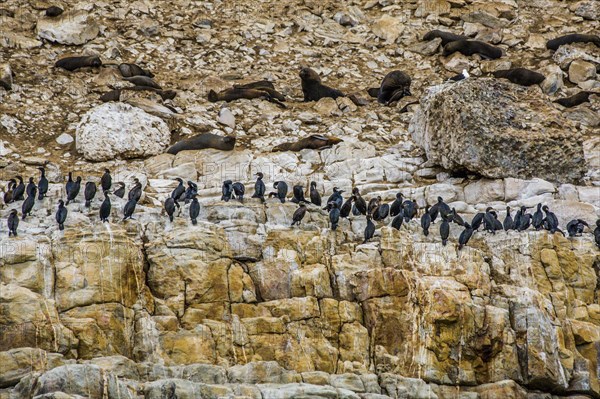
(202, 141)
(314, 142)
(394, 86)
(520, 76)
(470, 47)
(446, 37)
(73, 63)
(554, 44)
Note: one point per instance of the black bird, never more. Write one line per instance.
(226, 190)
(89, 192)
(455, 217)
(440, 207)
(178, 191)
(69, 183)
(551, 220)
(61, 214)
(29, 202)
(9, 193)
(396, 206)
(191, 191)
(239, 189)
(398, 219)
(444, 230)
(360, 205)
(497, 224)
(72, 194)
(170, 207)
(597, 233)
(381, 212)
(298, 192)
(30, 186)
(299, 214)
(106, 180)
(194, 210)
(315, 197)
(346, 208)
(477, 220)
(282, 189)
(373, 204)
(42, 184)
(524, 219)
(336, 197)
(369, 230)
(129, 209)
(410, 210)
(538, 218)
(120, 192)
(105, 207)
(19, 190)
(426, 221)
(576, 226)
(465, 236)
(334, 215)
(13, 223)
(488, 221)
(259, 187)
(508, 224)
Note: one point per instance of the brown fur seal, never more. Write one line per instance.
(470, 47)
(53, 11)
(520, 76)
(115, 94)
(143, 81)
(73, 63)
(554, 44)
(394, 86)
(446, 37)
(313, 89)
(202, 141)
(579, 98)
(314, 142)
(261, 89)
(129, 70)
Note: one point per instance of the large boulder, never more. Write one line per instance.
(497, 129)
(119, 130)
(71, 28)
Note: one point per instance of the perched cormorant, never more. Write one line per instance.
(61, 214)
(69, 184)
(440, 207)
(178, 191)
(239, 189)
(465, 236)
(75, 187)
(336, 197)
(299, 214)
(9, 193)
(538, 218)
(334, 215)
(13, 223)
(597, 233)
(409, 210)
(129, 209)
(226, 190)
(426, 221)
(346, 208)
(396, 206)
(477, 220)
(259, 187)
(360, 205)
(398, 220)
(194, 210)
(488, 220)
(29, 202)
(170, 208)
(369, 230)
(282, 189)
(444, 230)
(455, 217)
(298, 192)
(120, 192)
(42, 184)
(508, 224)
(19, 190)
(373, 204)
(30, 186)
(524, 219)
(381, 212)
(105, 207)
(575, 227)
(191, 191)
(551, 223)
(106, 180)
(315, 197)
(89, 192)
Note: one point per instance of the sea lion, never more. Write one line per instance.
(130, 70)
(143, 81)
(313, 89)
(53, 11)
(261, 84)
(470, 47)
(394, 86)
(520, 76)
(313, 142)
(261, 89)
(554, 44)
(579, 98)
(446, 37)
(202, 141)
(73, 63)
(115, 94)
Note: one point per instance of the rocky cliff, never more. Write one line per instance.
(242, 305)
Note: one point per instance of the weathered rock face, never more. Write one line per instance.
(72, 28)
(497, 129)
(119, 130)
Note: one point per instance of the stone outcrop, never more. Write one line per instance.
(497, 129)
(71, 28)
